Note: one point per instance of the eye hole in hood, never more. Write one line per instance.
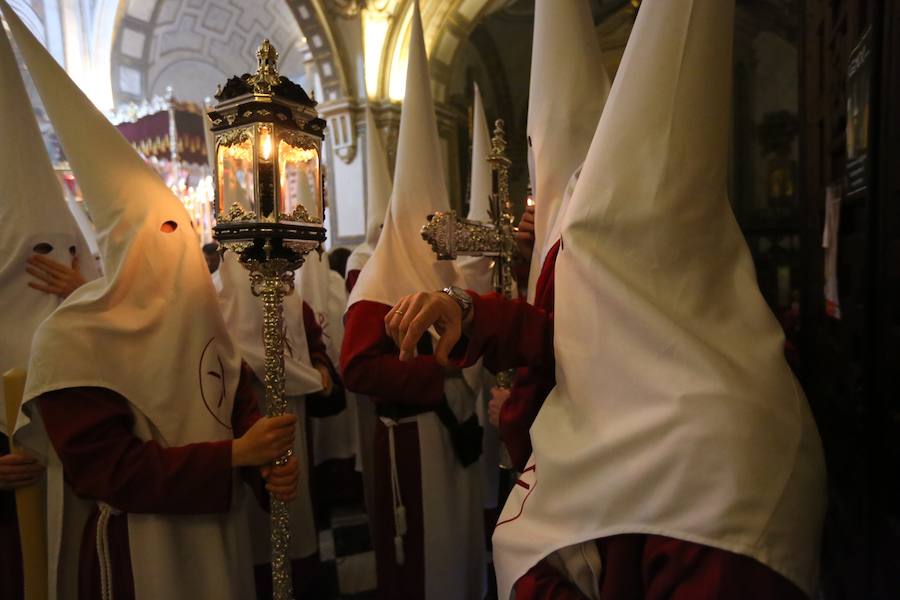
(168, 227)
(43, 248)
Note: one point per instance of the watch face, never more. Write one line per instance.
(461, 298)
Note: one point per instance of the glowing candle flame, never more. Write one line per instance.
(265, 143)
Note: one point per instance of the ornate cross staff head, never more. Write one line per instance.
(451, 236)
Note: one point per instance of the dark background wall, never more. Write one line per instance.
(849, 367)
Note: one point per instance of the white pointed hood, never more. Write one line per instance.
(243, 314)
(33, 216)
(675, 412)
(378, 193)
(148, 329)
(402, 262)
(477, 271)
(567, 92)
(378, 181)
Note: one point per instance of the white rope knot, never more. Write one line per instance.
(106, 587)
(399, 509)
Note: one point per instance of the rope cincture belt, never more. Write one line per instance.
(106, 587)
(399, 509)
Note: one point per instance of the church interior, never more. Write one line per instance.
(812, 178)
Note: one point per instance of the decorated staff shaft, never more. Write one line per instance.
(501, 212)
(271, 279)
(271, 282)
(451, 236)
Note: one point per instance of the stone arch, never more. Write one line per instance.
(45, 21)
(324, 45)
(31, 18)
(449, 23)
(446, 23)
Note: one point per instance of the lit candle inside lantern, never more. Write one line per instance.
(265, 143)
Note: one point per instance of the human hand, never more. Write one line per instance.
(19, 469)
(411, 317)
(266, 440)
(499, 396)
(525, 234)
(327, 382)
(281, 480)
(55, 277)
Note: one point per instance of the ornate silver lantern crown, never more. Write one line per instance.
(269, 197)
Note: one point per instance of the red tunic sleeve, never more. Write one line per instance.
(508, 334)
(371, 364)
(532, 384)
(526, 397)
(543, 582)
(244, 414)
(545, 288)
(104, 460)
(246, 405)
(352, 276)
(513, 333)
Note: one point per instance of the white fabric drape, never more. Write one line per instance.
(675, 412)
(567, 92)
(148, 330)
(452, 509)
(243, 314)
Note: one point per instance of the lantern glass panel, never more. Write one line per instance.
(235, 170)
(299, 184)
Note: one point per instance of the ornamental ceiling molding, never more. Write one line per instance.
(324, 43)
(193, 45)
(138, 23)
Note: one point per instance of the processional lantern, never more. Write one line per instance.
(268, 139)
(269, 207)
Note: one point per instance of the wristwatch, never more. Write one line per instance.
(461, 297)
